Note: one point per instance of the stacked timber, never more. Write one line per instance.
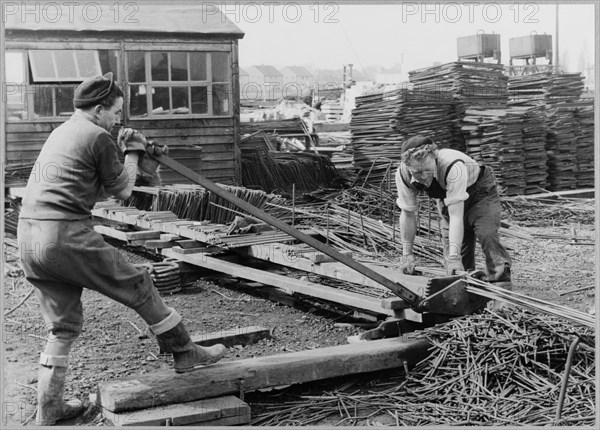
(375, 141)
(584, 115)
(473, 85)
(562, 93)
(494, 138)
(557, 94)
(534, 145)
(561, 145)
(382, 121)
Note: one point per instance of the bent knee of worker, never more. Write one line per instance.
(61, 337)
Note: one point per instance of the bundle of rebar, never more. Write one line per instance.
(193, 202)
(504, 367)
(277, 171)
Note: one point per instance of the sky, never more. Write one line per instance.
(413, 34)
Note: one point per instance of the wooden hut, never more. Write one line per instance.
(176, 64)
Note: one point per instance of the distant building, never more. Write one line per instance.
(297, 81)
(265, 83)
(244, 79)
(392, 75)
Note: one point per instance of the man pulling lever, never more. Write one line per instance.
(467, 200)
(61, 253)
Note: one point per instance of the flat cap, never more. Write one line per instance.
(93, 90)
(415, 142)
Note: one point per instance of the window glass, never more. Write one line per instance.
(179, 96)
(137, 100)
(136, 68)
(64, 99)
(159, 66)
(198, 66)
(63, 65)
(199, 100)
(220, 66)
(86, 63)
(109, 61)
(160, 100)
(179, 67)
(42, 65)
(15, 79)
(220, 99)
(42, 100)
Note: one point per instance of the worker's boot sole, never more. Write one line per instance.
(199, 356)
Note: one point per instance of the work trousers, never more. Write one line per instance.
(59, 259)
(482, 222)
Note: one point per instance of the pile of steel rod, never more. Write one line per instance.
(505, 367)
(543, 212)
(490, 291)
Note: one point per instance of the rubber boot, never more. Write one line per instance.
(51, 406)
(173, 337)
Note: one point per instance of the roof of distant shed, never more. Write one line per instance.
(298, 70)
(130, 17)
(267, 70)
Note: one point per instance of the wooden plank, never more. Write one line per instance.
(236, 336)
(189, 243)
(158, 244)
(126, 235)
(226, 410)
(179, 251)
(283, 254)
(287, 283)
(167, 387)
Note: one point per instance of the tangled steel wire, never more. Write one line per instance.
(495, 368)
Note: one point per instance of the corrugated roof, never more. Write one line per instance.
(298, 70)
(74, 16)
(268, 70)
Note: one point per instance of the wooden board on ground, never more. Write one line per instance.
(167, 387)
(219, 411)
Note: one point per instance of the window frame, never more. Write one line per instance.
(149, 84)
(29, 87)
(57, 78)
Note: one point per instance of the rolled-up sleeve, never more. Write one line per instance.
(113, 175)
(456, 184)
(407, 197)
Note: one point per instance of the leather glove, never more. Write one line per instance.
(148, 166)
(454, 265)
(407, 264)
(130, 140)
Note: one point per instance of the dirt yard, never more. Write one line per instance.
(115, 341)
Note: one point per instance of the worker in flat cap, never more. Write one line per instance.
(468, 202)
(61, 254)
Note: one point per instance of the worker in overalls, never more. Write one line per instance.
(61, 253)
(468, 202)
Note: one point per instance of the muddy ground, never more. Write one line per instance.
(115, 341)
